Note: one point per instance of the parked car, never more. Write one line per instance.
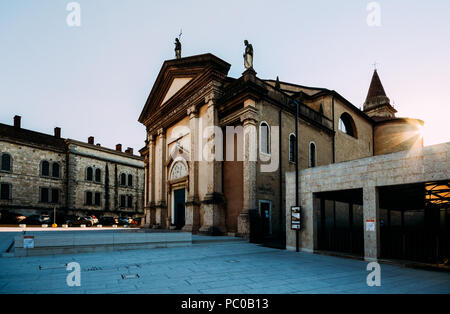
(94, 218)
(137, 221)
(78, 221)
(11, 218)
(32, 220)
(108, 221)
(125, 221)
(91, 220)
(45, 219)
(61, 219)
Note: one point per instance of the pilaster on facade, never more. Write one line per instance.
(249, 120)
(150, 182)
(213, 203)
(160, 199)
(192, 200)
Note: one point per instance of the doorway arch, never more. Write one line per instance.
(178, 182)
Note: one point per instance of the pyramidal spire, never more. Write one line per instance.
(377, 104)
(376, 89)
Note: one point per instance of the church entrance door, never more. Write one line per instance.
(179, 207)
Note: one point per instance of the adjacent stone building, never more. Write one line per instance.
(218, 148)
(40, 172)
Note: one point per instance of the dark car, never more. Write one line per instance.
(32, 220)
(11, 218)
(125, 221)
(137, 221)
(108, 221)
(61, 219)
(78, 221)
(45, 219)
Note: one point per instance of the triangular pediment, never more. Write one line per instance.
(177, 84)
(179, 78)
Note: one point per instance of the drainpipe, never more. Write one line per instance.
(68, 170)
(334, 134)
(297, 232)
(281, 173)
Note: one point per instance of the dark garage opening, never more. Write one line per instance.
(340, 222)
(415, 222)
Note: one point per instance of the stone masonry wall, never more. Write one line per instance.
(25, 178)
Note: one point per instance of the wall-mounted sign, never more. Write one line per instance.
(28, 242)
(295, 218)
(370, 224)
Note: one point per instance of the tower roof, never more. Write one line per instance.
(376, 88)
(377, 104)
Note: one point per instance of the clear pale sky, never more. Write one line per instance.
(94, 79)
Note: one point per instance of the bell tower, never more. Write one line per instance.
(377, 104)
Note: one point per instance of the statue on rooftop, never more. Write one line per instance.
(177, 48)
(248, 55)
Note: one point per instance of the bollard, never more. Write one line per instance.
(44, 226)
(22, 225)
(114, 226)
(82, 226)
(65, 226)
(99, 226)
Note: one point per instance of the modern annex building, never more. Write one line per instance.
(204, 127)
(40, 172)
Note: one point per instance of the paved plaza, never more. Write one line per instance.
(212, 265)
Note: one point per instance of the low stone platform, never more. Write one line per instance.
(72, 243)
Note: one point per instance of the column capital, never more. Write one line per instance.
(151, 138)
(192, 112)
(211, 98)
(249, 116)
(161, 132)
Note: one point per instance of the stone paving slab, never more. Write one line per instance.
(220, 267)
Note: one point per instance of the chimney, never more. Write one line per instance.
(58, 132)
(17, 121)
(91, 140)
(129, 150)
(119, 147)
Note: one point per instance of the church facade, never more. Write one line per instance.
(218, 148)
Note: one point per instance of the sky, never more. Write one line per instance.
(93, 80)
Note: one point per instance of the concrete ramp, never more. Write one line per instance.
(74, 243)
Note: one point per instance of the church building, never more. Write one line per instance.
(218, 148)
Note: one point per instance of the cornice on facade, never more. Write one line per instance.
(232, 93)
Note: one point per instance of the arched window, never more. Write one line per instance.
(292, 148)
(98, 175)
(312, 155)
(264, 138)
(55, 170)
(123, 179)
(45, 168)
(347, 125)
(6, 162)
(89, 174)
(130, 180)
